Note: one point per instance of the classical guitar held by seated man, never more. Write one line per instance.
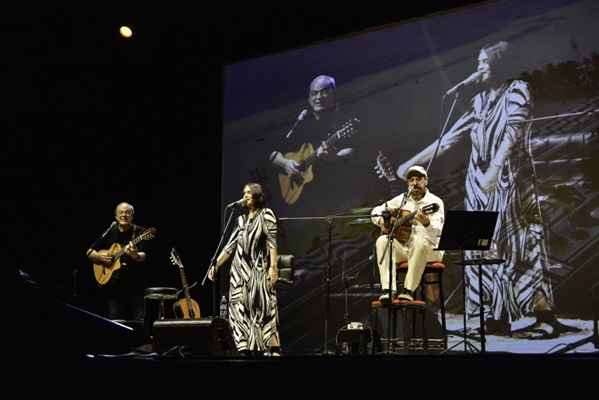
(403, 221)
(292, 185)
(103, 271)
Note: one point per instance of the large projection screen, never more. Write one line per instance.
(389, 102)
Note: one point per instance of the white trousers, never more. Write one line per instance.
(418, 252)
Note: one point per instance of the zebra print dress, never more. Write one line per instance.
(508, 289)
(253, 314)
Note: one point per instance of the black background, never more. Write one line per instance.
(94, 119)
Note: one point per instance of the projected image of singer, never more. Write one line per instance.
(121, 281)
(501, 177)
(253, 313)
(423, 216)
(321, 136)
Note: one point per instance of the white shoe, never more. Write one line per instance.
(406, 295)
(385, 296)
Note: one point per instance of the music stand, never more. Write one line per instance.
(470, 230)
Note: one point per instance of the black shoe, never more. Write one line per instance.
(537, 331)
(497, 327)
(545, 327)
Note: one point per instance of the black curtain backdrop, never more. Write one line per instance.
(93, 119)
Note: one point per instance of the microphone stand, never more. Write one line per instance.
(557, 116)
(213, 260)
(112, 225)
(453, 103)
(330, 219)
(389, 248)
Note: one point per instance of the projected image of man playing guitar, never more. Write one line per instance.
(319, 134)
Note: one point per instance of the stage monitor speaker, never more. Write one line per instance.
(206, 336)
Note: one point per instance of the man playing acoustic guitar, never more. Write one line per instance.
(124, 294)
(423, 215)
(323, 133)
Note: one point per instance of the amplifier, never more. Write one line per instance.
(207, 336)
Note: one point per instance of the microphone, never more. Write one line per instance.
(108, 230)
(386, 214)
(300, 117)
(175, 254)
(474, 78)
(235, 203)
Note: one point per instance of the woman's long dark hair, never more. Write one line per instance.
(257, 194)
(499, 58)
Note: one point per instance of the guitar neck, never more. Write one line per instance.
(330, 141)
(185, 286)
(134, 242)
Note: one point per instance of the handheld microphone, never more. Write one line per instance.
(300, 117)
(474, 78)
(175, 254)
(235, 203)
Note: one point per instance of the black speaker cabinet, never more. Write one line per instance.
(206, 336)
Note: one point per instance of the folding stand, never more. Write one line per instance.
(469, 230)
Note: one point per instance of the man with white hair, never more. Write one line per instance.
(321, 135)
(123, 292)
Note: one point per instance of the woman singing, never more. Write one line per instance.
(253, 314)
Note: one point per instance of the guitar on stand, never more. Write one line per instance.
(185, 308)
(103, 272)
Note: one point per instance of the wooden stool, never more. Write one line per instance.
(434, 267)
(403, 306)
(375, 306)
(417, 307)
(160, 295)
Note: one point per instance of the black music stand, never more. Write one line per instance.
(470, 230)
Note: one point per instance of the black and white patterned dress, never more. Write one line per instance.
(253, 314)
(519, 238)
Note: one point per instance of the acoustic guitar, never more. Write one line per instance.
(186, 308)
(103, 272)
(292, 185)
(403, 230)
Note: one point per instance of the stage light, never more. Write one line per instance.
(125, 31)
